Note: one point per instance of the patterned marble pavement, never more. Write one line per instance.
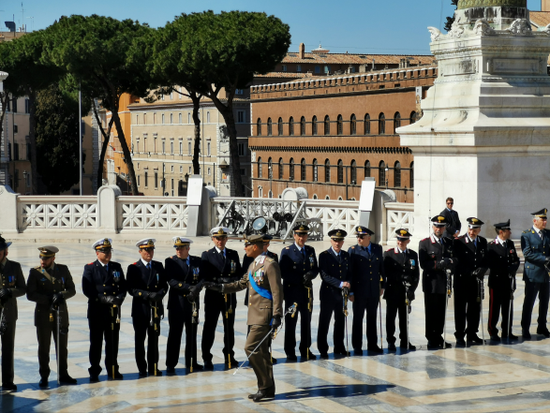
(491, 378)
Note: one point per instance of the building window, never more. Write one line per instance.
(208, 116)
(270, 168)
(366, 127)
(397, 175)
(163, 147)
(240, 116)
(381, 173)
(171, 168)
(327, 125)
(298, 68)
(269, 127)
(291, 169)
(291, 126)
(27, 105)
(285, 68)
(352, 125)
(353, 172)
(381, 124)
(259, 127)
(339, 125)
(303, 170)
(137, 119)
(281, 168)
(146, 178)
(327, 170)
(181, 169)
(14, 105)
(241, 146)
(413, 117)
(327, 69)
(15, 128)
(259, 167)
(315, 171)
(180, 118)
(367, 169)
(396, 122)
(208, 149)
(156, 179)
(189, 148)
(314, 125)
(280, 127)
(411, 176)
(317, 69)
(154, 118)
(302, 126)
(162, 118)
(172, 147)
(15, 151)
(139, 180)
(340, 171)
(171, 118)
(181, 148)
(145, 119)
(188, 117)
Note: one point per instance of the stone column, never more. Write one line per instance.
(484, 137)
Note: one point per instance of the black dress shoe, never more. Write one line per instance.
(273, 360)
(391, 347)
(170, 371)
(526, 335)
(444, 344)
(544, 333)
(142, 374)
(357, 352)
(43, 383)
(198, 367)
(155, 372)
(375, 349)
(94, 379)
(67, 380)
(208, 365)
(512, 337)
(474, 339)
(9, 387)
(234, 364)
(434, 346)
(460, 342)
(495, 338)
(410, 347)
(324, 356)
(263, 394)
(290, 358)
(117, 376)
(308, 355)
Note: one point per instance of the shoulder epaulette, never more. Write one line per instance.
(425, 239)
(287, 248)
(91, 263)
(38, 268)
(353, 247)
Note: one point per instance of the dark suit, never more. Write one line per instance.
(40, 288)
(103, 318)
(141, 282)
(453, 223)
(535, 251)
(11, 277)
(399, 267)
(467, 295)
(334, 271)
(434, 284)
(294, 265)
(503, 263)
(181, 278)
(367, 280)
(218, 269)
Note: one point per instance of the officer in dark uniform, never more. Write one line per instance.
(452, 230)
(402, 278)
(438, 263)
(50, 285)
(104, 284)
(471, 251)
(220, 265)
(334, 269)
(184, 275)
(12, 283)
(367, 286)
(503, 263)
(148, 284)
(299, 267)
(535, 243)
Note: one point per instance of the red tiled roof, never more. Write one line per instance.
(349, 58)
(539, 18)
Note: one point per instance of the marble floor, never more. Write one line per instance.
(490, 378)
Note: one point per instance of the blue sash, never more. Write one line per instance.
(260, 290)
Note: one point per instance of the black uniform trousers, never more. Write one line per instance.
(8, 343)
(332, 303)
(467, 309)
(44, 333)
(297, 294)
(435, 308)
(143, 329)
(532, 289)
(360, 306)
(214, 305)
(392, 309)
(107, 328)
(177, 320)
(500, 302)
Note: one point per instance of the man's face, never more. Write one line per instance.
(265, 246)
(300, 238)
(147, 253)
(450, 204)
(473, 232)
(363, 240)
(252, 250)
(402, 243)
(505, 234)
(438, 230)
(183, 252)
(3, 254)
(104, 255)
(220, 242)
(337, 245)
(46, 262)
(539, 223)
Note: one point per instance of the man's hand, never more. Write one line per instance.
(213, 286)
(308, 276)
(276, 322)
(57, 299)
(5, 295)
(156, 297)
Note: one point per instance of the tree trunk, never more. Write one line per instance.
(4, 98)
(32, 138)
(104, 146)
(196, 98)
(125, 151)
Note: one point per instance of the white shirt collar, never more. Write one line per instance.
(145, 262)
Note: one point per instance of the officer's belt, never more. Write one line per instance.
(260, 290)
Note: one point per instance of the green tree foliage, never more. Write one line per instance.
(57, 139)
(106, 56)
(451, 20)
(228, 49)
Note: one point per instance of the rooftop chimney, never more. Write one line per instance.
(303, 50)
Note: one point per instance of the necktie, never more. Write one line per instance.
(107, 267)
(148, 265)
(304, 253)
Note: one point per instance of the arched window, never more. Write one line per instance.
(411, 176)
(270, 168)
(381, 124)
(303, 170)
(327, 171)
(259, 127)
(413, 117)
(340, 171)
(353, 172)
(396, 122)
(314, 125)
(381, 173)
(291, 169)
(259, 167)
(366, 125)
(315, 171)
(280, 127)
(327, 125)
(352, 125)
(269, 127)
(339, 125)
(397, 174)
(291, 126)
(281, 168)
(302, 126)
(367, 169)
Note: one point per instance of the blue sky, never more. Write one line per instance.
(356, 26)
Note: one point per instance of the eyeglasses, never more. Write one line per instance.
(148, 249)
(362, 236)
(247, 244)
(450, 203)
(105, 250)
